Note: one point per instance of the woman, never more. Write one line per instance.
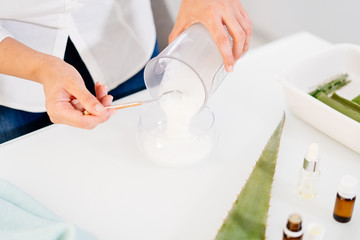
(64, 47)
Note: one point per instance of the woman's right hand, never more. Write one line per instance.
(214, 15)
(67, 96)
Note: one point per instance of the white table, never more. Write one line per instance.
(100, 181)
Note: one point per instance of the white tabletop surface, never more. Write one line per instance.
(99, 180)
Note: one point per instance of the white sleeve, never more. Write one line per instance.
(4, 34)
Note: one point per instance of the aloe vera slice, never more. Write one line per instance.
(339, 106)
(347, 103)
(331, 86)
(356, 100)
(248, 216)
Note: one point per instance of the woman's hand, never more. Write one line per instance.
(214, 14)
(67, 97)
(65, 92)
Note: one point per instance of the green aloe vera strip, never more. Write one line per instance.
(331, 86)
(247, 218)
(356, 100)
(347, 103)
(339, 106)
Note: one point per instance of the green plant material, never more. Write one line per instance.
(331, 86)
(339, 106)
(356, 100)
(347, 103)
(247, 218)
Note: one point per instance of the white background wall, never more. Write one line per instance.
(334, 20)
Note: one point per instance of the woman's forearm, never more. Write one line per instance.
(21, 61)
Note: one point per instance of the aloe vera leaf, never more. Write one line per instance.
(331, 86)
(356, 100)
(347, 103)
(248, 215)
(351, 113)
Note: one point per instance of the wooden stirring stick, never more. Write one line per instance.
(138, 103)
(122, 105)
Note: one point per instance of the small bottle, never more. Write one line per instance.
(309, 174)
(293, 229)
(345, 199)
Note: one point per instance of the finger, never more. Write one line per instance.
(87, 100)
(77, 105)
(246, 24)
(100, 91)
(222, 41)
(107, 100)
(75, 118)
(89, 121)
(103, 97)
(97, 85)
(176, 31)
(238, 35)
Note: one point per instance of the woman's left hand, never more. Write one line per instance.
(214, 14)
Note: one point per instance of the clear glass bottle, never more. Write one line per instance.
(293, 229)
(345, 199)
(309, 174)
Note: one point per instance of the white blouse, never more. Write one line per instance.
(115, 39)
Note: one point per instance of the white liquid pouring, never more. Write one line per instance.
(176, 144)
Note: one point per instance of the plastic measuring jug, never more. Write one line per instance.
(191, 64)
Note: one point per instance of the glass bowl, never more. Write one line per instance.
(188, 148)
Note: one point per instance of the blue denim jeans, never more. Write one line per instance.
(15, 123)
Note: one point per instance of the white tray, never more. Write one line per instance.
(299, 79)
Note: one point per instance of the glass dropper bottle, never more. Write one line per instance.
(309, 174)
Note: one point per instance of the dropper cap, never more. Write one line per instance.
(315, 231)
(347, 186)
(311, 160)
